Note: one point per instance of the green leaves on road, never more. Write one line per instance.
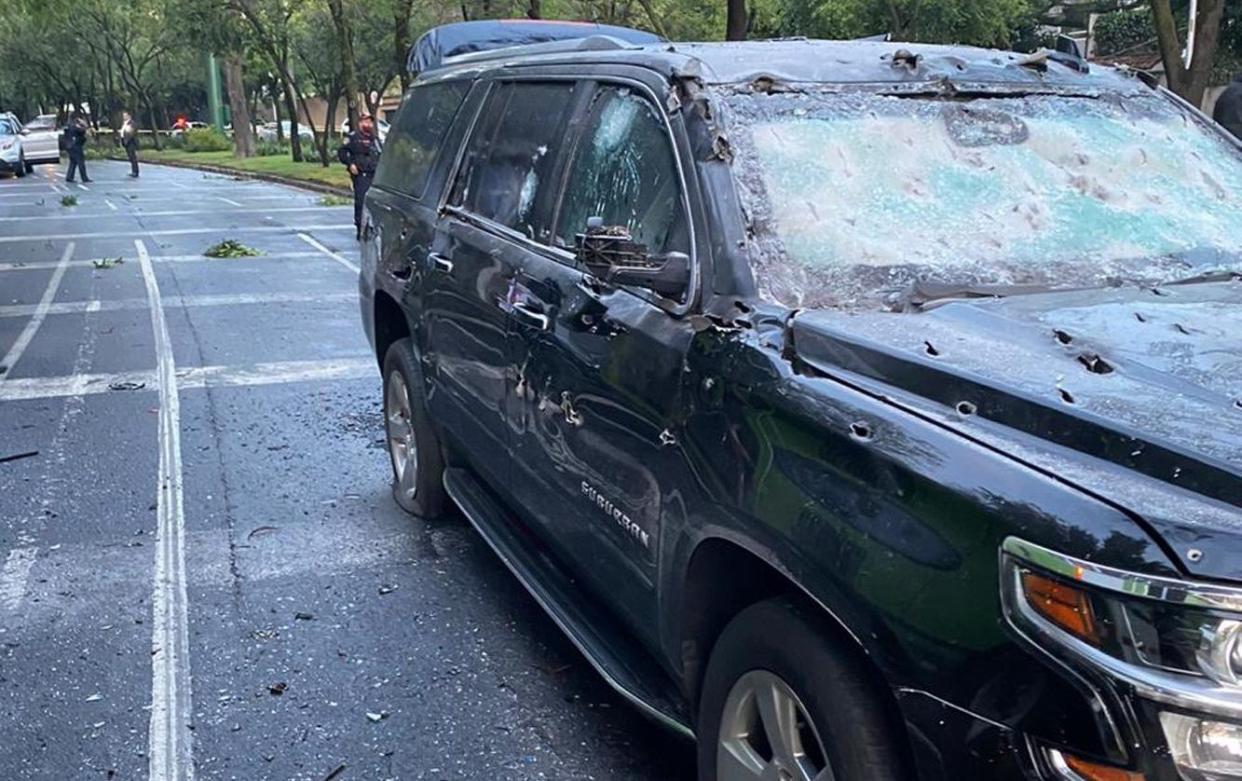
(69, 200)
(231, 248)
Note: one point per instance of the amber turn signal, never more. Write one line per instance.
(1063, 605)
(1090, 771)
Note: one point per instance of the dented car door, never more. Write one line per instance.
(599, 390)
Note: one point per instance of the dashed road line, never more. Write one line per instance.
(110, 204)
(222, 299)
(14, 575)
(311, 240)
(184, 232)
(170, 748)
(176, 213)
(192, 378)
(199, 258)
(229, 201)
(37, 315)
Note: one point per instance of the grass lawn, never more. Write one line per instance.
(280, 165)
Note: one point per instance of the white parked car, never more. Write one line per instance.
(41, 140)
(267, 132)
(381, 127)
(12, 157)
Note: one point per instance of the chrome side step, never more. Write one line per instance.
(615, 655)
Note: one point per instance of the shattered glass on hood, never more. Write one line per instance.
(854, 198)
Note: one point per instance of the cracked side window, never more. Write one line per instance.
(624, 171)
(511, 155)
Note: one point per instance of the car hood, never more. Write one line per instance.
(1132, 393)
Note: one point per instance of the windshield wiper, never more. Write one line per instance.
(922, 293)
(1214, 275)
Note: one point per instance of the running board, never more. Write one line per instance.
(624, 664)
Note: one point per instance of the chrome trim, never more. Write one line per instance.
(1130, 584)
(1184, 690)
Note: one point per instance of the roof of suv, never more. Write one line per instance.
(819, 61)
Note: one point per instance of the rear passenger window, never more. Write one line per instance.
(508, 164)
(624, 171)
(412, 144)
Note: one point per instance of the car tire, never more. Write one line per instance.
(409, 436)
(30, 168)
(21, 169)
(779, 652)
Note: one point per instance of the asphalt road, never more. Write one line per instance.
(202, 573)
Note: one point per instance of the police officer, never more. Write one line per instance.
(360, 153)
(129, 140)
(1229, 107)
(75, 144)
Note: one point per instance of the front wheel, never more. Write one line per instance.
(781, 703)
(22, 169)
(413, 446)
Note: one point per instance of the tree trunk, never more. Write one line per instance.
(534, 9)
(152, 116)
(1191, 82)
(235, 85)
(349, 71)
(401, 42)
(329, 123)
(291, 108)
(735, 23)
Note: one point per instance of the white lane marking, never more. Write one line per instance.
(184, 232)
(59, 189)
(14, 575)
(224, 299)
(193, 378)
(154, 194)
(179, 213)
(338, 258)
(111, 205)
(83, 187)
(84, 262)
(37, 316)
(170, 752)
(229, 201)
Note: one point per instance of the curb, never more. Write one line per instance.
(302, 184)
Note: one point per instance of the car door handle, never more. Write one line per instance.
(440, 262)
(531, 316)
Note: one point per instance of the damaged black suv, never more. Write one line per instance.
(868, 411)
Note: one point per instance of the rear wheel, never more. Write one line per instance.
(30, 168)
(780, 703)
(22, 169)
(413, 445)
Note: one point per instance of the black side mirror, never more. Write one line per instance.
(611, 254)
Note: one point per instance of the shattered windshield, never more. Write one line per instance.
(855, 198)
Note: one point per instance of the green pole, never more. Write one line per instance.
(215, 100)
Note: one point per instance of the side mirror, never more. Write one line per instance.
(24, 131)
(611, 254)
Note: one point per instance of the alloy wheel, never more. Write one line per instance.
(766, 734)
(402, 444)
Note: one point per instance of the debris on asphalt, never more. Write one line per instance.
(107, 262)
(300, 616)
(377, 716)
(69, 200)
(96, 697)
(278, 689)
(230, 248)
(387, 589)
(336, 772)
(261, 531)
(18, 456)
(126, 385)
(334, 200)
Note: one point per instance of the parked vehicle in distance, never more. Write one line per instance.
(12, 155)
(267, 131)
(187, 126)
(381, 129)
(41, 140)
(870, 411)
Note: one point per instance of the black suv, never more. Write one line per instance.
(868, 411)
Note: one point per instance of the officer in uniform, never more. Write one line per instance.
(75, 144)
(360, 153)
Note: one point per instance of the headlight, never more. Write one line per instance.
(1174, 642)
